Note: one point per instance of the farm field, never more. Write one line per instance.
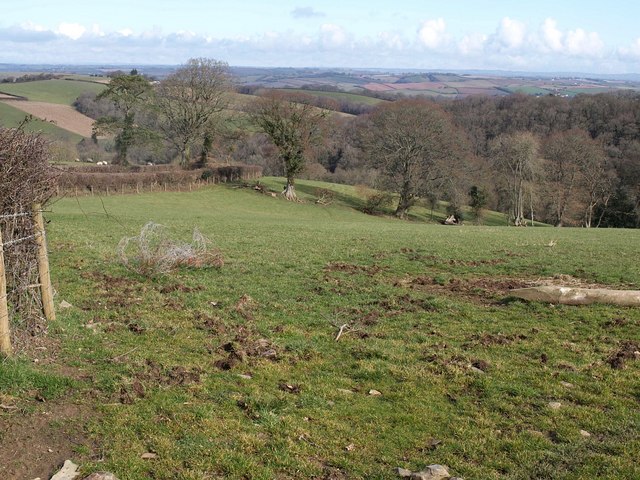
(51, 91)
(11, 117)
(351, 97)
(63, 116)
(49, 101)
(236, 372)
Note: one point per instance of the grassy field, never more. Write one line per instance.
(235, 372)
(11, 117)
(51, 91)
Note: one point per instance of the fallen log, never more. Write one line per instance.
(578, 296)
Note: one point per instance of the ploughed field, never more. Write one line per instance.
(235, 372)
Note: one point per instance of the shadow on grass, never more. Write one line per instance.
(340, 198)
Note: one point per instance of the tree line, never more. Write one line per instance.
(564, 161)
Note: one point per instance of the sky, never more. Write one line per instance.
(543, 36)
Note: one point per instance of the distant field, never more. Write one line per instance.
(63, 116)
(529, 90)
(11, 117)
(86, 78)
(51, 91)
(350, 97)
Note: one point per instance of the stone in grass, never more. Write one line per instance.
(554, 405)
(345, 391)
(101, 476)
(432, 472)
(403, 472)
(585, 434)
(374, 393)
(69, 471)
(64, 304)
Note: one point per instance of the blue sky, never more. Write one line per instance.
(578, 36)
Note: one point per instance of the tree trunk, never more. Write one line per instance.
(403, 207)
(578, 296)
(289, 191)
(405, 202)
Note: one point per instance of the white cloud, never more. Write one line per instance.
(72, 30)
(472, 44)
(332, 36)
(512, 45)
(510, 34)
(632, 52)
(581, 43)
(551, 36)
(391, 40)
(432, 33)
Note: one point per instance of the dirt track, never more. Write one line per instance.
(63, 116)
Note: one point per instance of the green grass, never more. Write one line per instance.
(12, 117)
(419, 302)
(52, 91)
(18, 378)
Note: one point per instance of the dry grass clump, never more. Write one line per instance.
(153, 251)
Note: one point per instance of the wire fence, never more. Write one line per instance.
(46, 290)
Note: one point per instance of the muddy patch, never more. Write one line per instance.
(244, 349)
(489, 290)
(628, 351)
(154, 375)
(37, 444)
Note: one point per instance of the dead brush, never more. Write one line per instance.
(153, 251)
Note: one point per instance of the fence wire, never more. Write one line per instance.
(14, 215)
(21, 273)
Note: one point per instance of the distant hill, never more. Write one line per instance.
(380, 82)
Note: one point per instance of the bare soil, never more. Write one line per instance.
(63, 116)
(37, 444)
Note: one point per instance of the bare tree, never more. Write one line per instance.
(573, 162)
(189, 102)
(597, 185)
(414, 145)
(514, 158)
(294, 128)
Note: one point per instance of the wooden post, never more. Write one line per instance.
(5, 333)
(46, 289)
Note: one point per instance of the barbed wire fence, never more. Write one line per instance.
(26, 286)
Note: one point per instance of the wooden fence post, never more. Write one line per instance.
(46, 289)
(5, 334)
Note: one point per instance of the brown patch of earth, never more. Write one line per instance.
(37, 444)
(486, 290)
(628, 350)
(64, 116)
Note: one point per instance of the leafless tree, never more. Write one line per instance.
(189, 102)
(514, 158)
(414, 145)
